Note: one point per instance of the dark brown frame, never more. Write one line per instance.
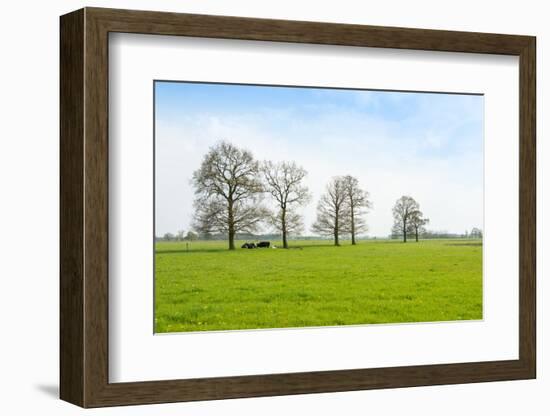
(84, 207)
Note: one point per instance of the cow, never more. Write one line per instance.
(265, 244)
(248, 245)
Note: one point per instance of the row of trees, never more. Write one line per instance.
(179, 236)
(341, 209)
(230, 184)
(408, 219)
(475, 233)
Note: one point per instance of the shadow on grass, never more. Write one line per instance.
(225, 250)
(305, 246)
(465, 244)
(191, 251)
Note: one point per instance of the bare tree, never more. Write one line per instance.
(191, 236)
(168, 237)
(284, 184)
(227, 192)
(357, 203)
(417, 222)
(332, 211)
(402, 213)
(476, 233)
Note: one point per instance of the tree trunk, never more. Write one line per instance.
(352, 227)
(404, 231)
(231, 239)
(283, 228)
(231, 226)
(336, 225)
(416, 233)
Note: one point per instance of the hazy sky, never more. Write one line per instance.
(428, 146)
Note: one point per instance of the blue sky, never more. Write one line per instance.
(426, 145)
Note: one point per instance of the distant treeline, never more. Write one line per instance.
(475, 233)
(428, 234)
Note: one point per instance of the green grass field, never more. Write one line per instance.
(315, 284)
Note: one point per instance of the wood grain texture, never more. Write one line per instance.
(84, 207)
(527, 207)
(96, 208)
(162, 23)
(71, 213)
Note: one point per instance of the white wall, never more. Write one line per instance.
(29, 208)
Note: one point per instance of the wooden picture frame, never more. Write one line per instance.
(84, 207)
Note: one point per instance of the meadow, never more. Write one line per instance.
(202, 286)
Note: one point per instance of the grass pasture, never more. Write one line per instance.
(315, 284)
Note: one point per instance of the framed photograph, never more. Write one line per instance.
(254, 207)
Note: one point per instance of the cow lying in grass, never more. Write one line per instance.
(261, 244)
